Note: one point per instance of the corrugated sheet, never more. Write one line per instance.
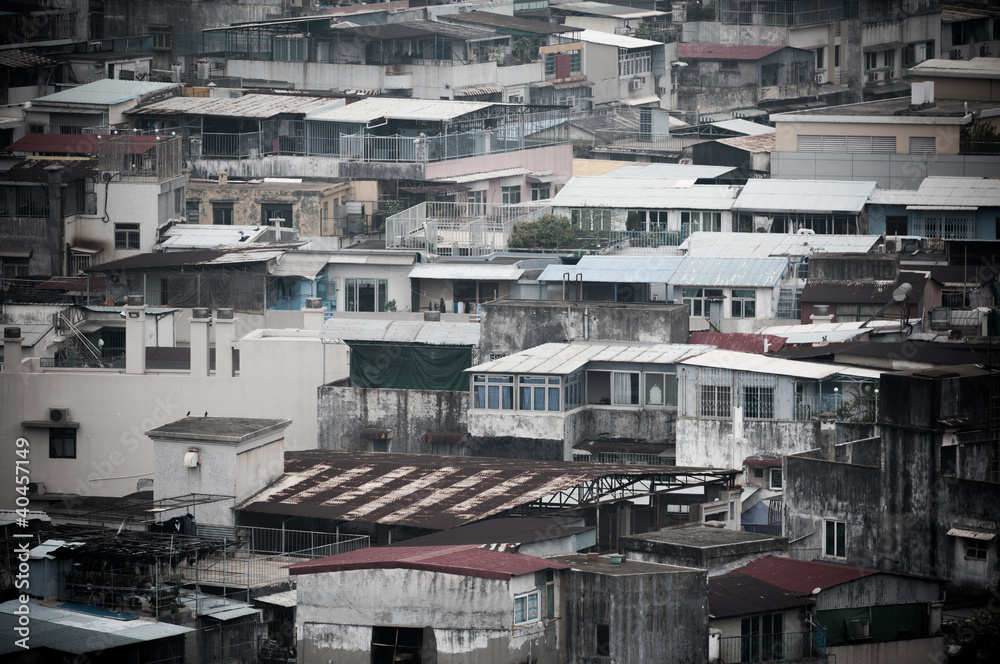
(247, 106)
(32, 333)
(862, 292)
(616, 269)
(758, 143)
(744, 342)
(366, 110)
(745, 127)
(605, 9)
(979, 535)
(616, 192)
(485, 175)
(300, 264)
(776, 366)
(21, 59)
(802, 576)
(729, 272)
(204, 236)
(466, 271)
(512, 530)
(944, 193)
(562, 359)
(724, 51)
(805, 196)
(732, 595)
(430, 491)
(621, 41)
(287, 599)
(106, 91)
(401, 331)
(704, 244)
(670, 171)
(514, 23)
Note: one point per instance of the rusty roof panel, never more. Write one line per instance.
(429, 491)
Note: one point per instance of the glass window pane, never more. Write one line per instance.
(525, 398)
(553, 398)
(480, 396)
(508, 397)
(494, 397)
(539, 403)
(654, 389)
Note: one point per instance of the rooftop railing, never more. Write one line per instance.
(787, 647)
(472, 229)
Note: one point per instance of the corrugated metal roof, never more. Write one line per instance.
(247, 106)
(32, 333)
(745, 127)
(616, 269)
(621, 41)
(944, 193)
(805, 196)
(79, 633)
(562, 359)
(364, 111)
(205, 236)
(383, 257)
(724, 51)
(862, 292)
(802, 576)
(758, 143)
(401, 331)
(510, 530)
(514, 23)
(33, 170)
(461, 559)
(732, 595)
(217, 256)
(605, 9)
(106, 91)
(300, 264)
(287, 599)
(48, 547)
(744, 342)
(431, 491)
(230, 613)
(670, 171)
(485, 175)
(979, 535)
(729, 272)
(776, 366)
(616, 192)
(705, 244)
(21, 59)
(466, 271)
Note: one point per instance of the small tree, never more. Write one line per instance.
(523, 50)
(550, 231)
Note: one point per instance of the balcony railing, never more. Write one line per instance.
(846, 407)
(980, 147)
(614, 140)
(787, 647)
(472, 229)
(624, 242)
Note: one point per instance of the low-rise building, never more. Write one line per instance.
(706, 546)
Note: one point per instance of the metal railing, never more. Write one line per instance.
(619, 139)
(980, 147)
(644, 241)
(847, 408)
(472, 229)
(787, 647)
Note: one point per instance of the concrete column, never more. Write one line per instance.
(201, 323)
(135, 335)
(225, 334)
(12, 350)
(312, 314)
(828, 436)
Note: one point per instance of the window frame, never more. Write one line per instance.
(837, 548)
(976, 550)
(700, 297)
(742, 299)
(510, 193)
(525, 599)
(635, 388)
(223, 210)
(758, 402)
(269, 212)
(715, 401)
(534, 389)
(773, 485)
(664, 376)
(62, 443)
(484, 386)
(128, 236)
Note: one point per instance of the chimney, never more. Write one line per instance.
(135, 335)
(225, 334)
(821, 314)
(201, 322)
(312, 315)
(12, 350)
(828, 436)
(223, 178)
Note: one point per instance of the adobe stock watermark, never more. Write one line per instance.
(22, 578)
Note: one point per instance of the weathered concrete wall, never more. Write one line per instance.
(307, 205)
(513, 447)
(344, 411)
(709, 442)
(716, 559)
(509, 327)
(657, 618)
(124, 18)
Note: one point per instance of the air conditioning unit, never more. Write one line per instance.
(984, 50)
(956, 54)
(820, 78)
(860, 629)
(36, 488)
(57, 415)
(892, 73)
(874, 75)
(635, 84)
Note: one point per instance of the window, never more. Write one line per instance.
(758, 472)
(697, 299)
(477, 202)
(888, 59)
(511, 195)
(574, 391)
(574, 61)
(178, 201)
(896, 224)
(836, 53)
(949, 460)
(538, 393)
(193, 212)
(550, 593)
(11, 268)
(761, 638)
(775, 479)
(276, 214)
(660, 389)
(126, 236)
(743, 303)
(729, 65)
(398, 644)
(591, 219)
(526, 608)
(62, 443)
(871, 60)
(631, 63)
(162, 39)
(493, 392)
(820, 58)
(624, 388)
(602, 637)
(222, 214)
(715, 401)
(995, 461)
(550, 64)
(692, 221)
(758, 402)
(365, 294)
(976, 549)
(835, 539)
(540, 191)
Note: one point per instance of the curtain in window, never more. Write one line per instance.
(621, 387)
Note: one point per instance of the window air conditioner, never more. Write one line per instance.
(58, 414)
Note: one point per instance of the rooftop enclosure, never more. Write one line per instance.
(457, 229)
(132, 158)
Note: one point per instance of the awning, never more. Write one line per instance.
(887, 46)
(287, 599)
(749, 113)
(480, 90)
(980, 535)
(15, 253)
(486, 175)
(433, 188)
(307, 266)
(90, 251)
(943, 207)
(466, 272)
(566, 85)
(641, 101)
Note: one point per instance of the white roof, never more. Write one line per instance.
(741, 272)
(562, 359)
(616, 269)
(204, 236)
(467, 271)
(621, 41)
(48, 547)
(300, 264)
(288, 598)
(755, 363)
(485, 175)
(944, 193)
(247, 106)
(644, 169)
(826, 332)
(745, 127)
(107, 91)
(401, 331)
(616, 192)
(703, 244)
(391, 257)
(365, 110)
(804, 196)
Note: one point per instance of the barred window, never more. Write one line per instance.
(631, 63)
(758, 402)
(126, 236)
(715, 401)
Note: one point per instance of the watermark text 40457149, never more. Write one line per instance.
(22, 581)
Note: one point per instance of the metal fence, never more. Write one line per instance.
(787, 647)
(620, 242)
(847, 407)
(471, 229)
(611, 140)
(126, 157)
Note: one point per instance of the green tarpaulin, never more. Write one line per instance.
(410, 366)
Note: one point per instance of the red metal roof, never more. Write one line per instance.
(802, 576)
(463, 559)
(73, 144)
(724, 51)
(743, 342)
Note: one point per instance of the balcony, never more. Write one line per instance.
(457, 229)
(787, 647)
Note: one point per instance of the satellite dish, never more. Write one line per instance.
(902, 292)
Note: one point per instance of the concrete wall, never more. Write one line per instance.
(946, 135)
(509, 327)
(854, 267)
(912, 650)
(890, 171)
(717, 560)
(472, 618)
(652, 617)
(409, 414)
(397, 275)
